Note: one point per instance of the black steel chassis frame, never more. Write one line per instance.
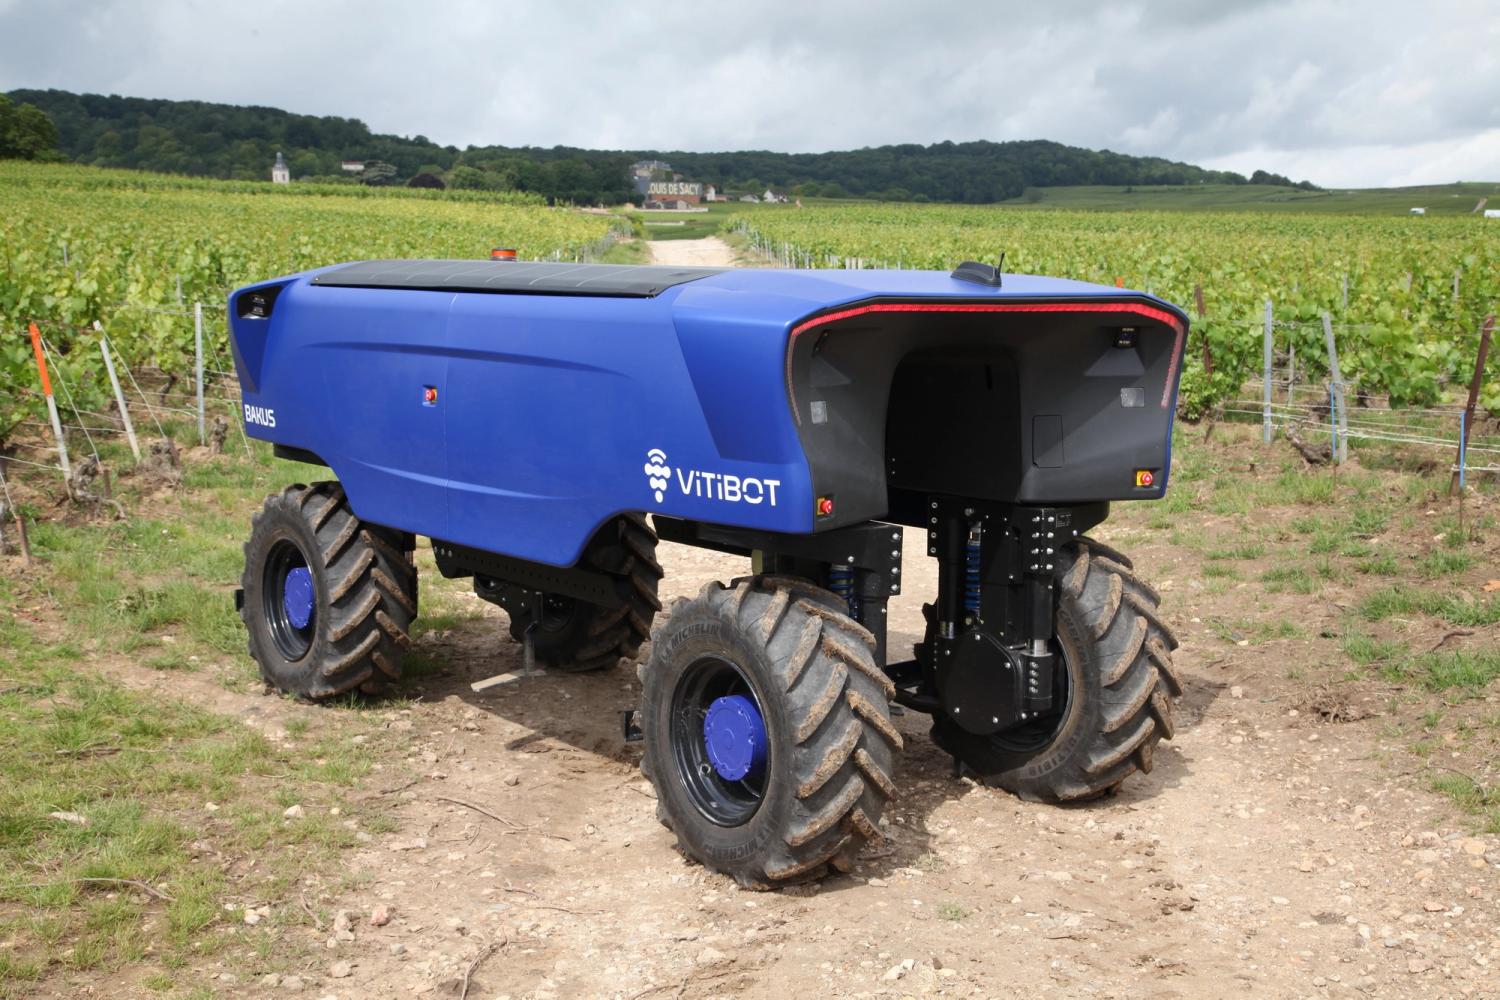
(1018, 550)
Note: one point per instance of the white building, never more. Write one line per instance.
(279, 172)
(1419, 211)
(352, 166)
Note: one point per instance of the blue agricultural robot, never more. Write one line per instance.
(544, 424)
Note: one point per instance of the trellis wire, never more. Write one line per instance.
(1371, 427)
(57, 369)
(36, 465)
(130, 374)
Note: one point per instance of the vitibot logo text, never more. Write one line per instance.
(705, 484)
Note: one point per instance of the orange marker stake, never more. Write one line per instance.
(41, 365)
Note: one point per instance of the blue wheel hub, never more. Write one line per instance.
(734, 735)
(297, 596)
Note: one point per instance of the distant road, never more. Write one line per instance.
(710, 252)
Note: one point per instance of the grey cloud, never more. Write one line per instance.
(1342, 93)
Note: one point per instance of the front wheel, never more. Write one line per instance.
(1117, 706)
(768, 731)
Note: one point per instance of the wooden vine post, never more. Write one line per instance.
(1468, 417)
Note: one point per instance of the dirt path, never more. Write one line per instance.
(1268, 854)
(708, 252)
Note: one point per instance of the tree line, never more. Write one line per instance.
(26, 133)
(228, 141)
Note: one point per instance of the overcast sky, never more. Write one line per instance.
(1344, 94)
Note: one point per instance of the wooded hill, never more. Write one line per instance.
(223, 140)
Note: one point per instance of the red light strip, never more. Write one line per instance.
(1149, 312)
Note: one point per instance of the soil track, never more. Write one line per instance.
(1267, 854)
(708, 252)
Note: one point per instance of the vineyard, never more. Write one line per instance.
(1407, 295)
(133, 252)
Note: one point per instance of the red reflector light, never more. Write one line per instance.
(429, 395)
(503, 253)
(825, 506)
(1145, 477)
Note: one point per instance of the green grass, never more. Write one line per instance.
(158, 590)
(1482, 801)
(1451, 608)
(1366, 522)
(1381, 565)
(1463, 672)
(1367, 650)
(1294, 578)
(1469, 670)
(695, 225)
(75, 744)
(126, 887)
(633, 252)
(952, 911)
(1252, 550)
(1254, 631)
(1444, 562)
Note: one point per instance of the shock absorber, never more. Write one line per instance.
(841, 582)
(973, 574)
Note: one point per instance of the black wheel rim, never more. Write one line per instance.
(286, 573)
(721, 801)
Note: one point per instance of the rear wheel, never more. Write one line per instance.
(768, 732)
(1116, 703)
(575, 636)
(326, 598)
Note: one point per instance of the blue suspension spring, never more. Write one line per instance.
(841, 582)
(972, 572)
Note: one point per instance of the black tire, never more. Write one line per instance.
(825, 706)
(574, 636)
(363, 595)
(1120, 682)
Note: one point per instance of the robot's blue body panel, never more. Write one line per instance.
(517, 421)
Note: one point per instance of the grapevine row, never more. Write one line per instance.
(1407, 294)
(79, 244)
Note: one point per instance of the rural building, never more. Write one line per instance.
(352, 166)
(280, 174)
(642, 171)
(750, 198)
(772, 198)
(1419, 211)
(675, 190)
(710, 193)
